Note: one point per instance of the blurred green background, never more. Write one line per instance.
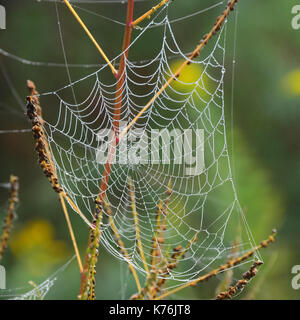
(263, 132)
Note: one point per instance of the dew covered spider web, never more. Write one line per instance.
(35, 291)
(179, 143)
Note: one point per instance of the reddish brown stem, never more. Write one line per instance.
(119, 98)
(111, 153)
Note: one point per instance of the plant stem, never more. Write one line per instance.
(119, 98)
(114, 71)
(111, 153)
(148, 14)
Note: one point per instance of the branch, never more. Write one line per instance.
(148, 14)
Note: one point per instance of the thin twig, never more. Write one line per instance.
(229, 274)
(148, 14)
(114, 71)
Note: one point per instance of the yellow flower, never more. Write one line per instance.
(36, 246)
(291, 83)
(195, 77)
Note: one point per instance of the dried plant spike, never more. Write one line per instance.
(217, 26)
(251, 273)
(154, 283)
(34, 113)
(137, 226)
(114, 71)
(228, 278)
(43, 150)
(222, 268)
(87, 291)
(34, 94)
(148, 14)
(11, 213)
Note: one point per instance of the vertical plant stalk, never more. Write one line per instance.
(34, 113)
(11, 213)
(137, 226)
(88, 286)
(121, 75)
(101, 198)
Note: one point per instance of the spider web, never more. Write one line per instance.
(35, 292)
(203, 201)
